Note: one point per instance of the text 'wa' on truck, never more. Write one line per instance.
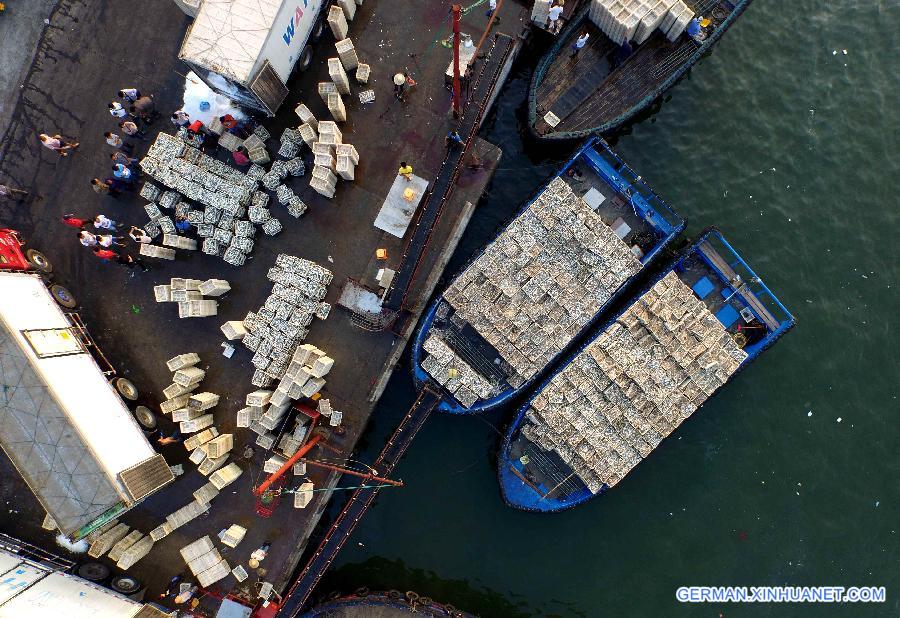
(63, 424)
(246, 50)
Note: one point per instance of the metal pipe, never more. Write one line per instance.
(287, 465)
(456, 12)
(365, 475)
(486, 31)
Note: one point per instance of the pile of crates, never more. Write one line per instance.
(635, 20)
(266, 409)
(124, 546)
(190, 295)
(223, 193)
(205, 562)
(281, 324)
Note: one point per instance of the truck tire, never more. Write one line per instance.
(318, 30)
(130, 586)
(145, 417)
(38, 260)
(63, 296)
(93, 571)
(305, 59)
(126, 388)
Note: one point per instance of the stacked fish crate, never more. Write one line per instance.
(224, 193)
(635, 20)
(280, 325)
(556, 259)
(661, 359)
(190, 293)
(205, 562)
(304, 377)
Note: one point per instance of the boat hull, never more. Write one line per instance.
(605, 127)
(587, 154)
(516, 490)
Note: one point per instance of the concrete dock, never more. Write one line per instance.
(92, 48)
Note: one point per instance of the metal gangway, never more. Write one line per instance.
(358, 504)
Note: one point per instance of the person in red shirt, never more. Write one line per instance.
(240, 156)
(105, 254)
(228, 121)
(73, 221)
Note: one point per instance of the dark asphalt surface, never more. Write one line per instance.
(91, 49)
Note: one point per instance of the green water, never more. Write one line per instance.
(790, 475)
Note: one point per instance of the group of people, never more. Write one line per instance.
(104, 240)
(125, 171)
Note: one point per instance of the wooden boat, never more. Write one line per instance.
(607, 84)
(610, 404)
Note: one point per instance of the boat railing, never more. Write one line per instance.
(745, 284)
(647, 205)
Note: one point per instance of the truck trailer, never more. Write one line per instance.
(246, 50)
(62, 424)
(40, 587)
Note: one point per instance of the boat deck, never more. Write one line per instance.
(556, 456)
(601, 85)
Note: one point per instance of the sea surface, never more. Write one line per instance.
(786, 138)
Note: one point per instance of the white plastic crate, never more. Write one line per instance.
(233, 536)
(303, 496)
(203, 401)
(196, 424)
(201, 438)
(185, 414)
(188, 376)
(273, 464)
(219, 446)
(210, 465)
(182, 361)
(306, 116)
(225, 476)
(214, 287)
(233, 330)
(194, 550)
(259, 398)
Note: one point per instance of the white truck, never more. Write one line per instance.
(62, 424)
(246, 50)
(37, 588)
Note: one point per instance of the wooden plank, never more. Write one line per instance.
(749, 297)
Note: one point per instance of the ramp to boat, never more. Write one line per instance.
(358, 504)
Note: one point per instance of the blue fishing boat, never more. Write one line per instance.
(545, 279)
(638, 378)
(633, 53)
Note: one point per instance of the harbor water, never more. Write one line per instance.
(786, 138)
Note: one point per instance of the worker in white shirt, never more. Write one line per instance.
(555, 22)
(581, 42)
(492, 8)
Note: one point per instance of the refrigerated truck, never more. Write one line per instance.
(62, 424)
(34, 589)
(246, 50)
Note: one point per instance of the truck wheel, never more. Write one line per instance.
(305, 58)
(38, 260)
(145, 417)
(93, 571)
(63, 296)
(127, 585)
(126, 388)
(318, 30)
